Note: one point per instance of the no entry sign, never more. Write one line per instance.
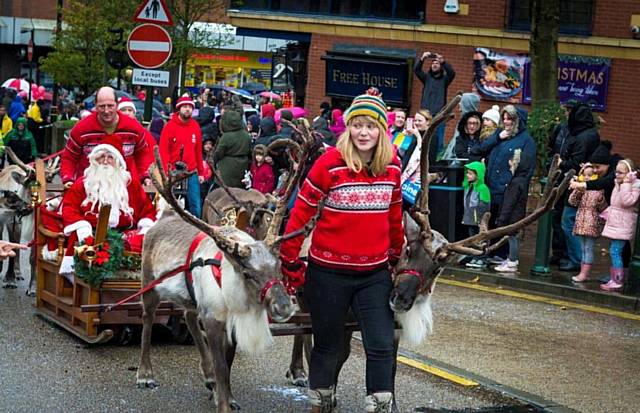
(149, 46)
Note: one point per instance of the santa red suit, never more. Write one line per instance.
(80, 215)
(88, 133)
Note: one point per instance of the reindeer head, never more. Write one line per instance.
(427, 251)
(255, 261)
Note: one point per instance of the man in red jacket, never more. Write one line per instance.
(181, 141)
(91, 132)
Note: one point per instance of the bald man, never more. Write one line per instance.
(91, 131)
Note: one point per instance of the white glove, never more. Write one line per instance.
(84, 232)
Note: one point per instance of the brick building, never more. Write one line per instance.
(376, 34)
(17, 19)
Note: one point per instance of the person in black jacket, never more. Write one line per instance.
(436, 82)
(468, 135)
(514, 205)
(583, 127)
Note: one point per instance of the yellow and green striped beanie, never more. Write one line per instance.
(368, 105)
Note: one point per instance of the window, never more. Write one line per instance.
(575, 16)
(366, 9)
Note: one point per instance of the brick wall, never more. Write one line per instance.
(624, 87)
(35, 9)
(482, 13)
(613, 17)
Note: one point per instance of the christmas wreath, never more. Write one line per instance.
(108, 259)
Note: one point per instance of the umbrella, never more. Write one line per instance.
(297, 113)
(271, 95)
(17, 84)
(254, 87)
(239, 92)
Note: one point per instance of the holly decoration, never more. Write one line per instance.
(108, 259)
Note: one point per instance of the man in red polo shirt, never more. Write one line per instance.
(91, 131)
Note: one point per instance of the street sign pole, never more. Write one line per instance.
(148, 104)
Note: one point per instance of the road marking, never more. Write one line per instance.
(436, 371)
(541, 299)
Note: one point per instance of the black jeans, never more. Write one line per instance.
(329, 295)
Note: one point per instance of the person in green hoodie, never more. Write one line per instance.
(477, 201)
(232, 156)
(21, 141)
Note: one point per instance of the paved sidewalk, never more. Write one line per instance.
(559, 283)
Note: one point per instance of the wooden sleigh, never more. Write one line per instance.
(73, 306)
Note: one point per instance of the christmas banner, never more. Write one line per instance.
(580, 78)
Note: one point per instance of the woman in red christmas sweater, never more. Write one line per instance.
(357, 238)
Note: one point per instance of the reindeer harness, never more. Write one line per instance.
(187, 268)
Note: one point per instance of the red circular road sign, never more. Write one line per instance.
(149, 46)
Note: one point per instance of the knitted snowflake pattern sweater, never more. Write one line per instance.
(361, 223)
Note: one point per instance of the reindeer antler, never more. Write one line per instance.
(14, 158)
(305, 155)
(52, 168)
(237, 202)
(420, 212)
(550, 196)
(164, 184)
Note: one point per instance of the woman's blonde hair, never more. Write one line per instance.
(382, 155)
(425, 114)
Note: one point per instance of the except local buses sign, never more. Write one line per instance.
(145, 77)
(149, 46)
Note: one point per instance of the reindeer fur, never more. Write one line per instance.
(417, 323)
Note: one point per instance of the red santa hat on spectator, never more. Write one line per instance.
(185, 100)
(111, 144)
(125, 102)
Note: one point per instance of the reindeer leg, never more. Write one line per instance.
(31, 290)
(230, 354)
(206, 362)
(144, 378)
(296, 374)
(216, 337)
(10, 276)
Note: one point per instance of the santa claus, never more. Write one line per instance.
(105, 182)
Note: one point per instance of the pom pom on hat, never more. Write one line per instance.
(368, 105)
(493, 114)
(125, 102)
(185, 100)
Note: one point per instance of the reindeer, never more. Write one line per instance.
(248, 209)
(427, 251)
(234, 312)
(16, 211)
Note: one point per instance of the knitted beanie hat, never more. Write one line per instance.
(125, 102)
(493, 114)
(185, 100)
(602, 154)
(368, 105)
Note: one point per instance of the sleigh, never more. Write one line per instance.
(73, 305)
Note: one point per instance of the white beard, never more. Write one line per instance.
(107, 185)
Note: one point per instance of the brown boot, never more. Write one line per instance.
(321, 400)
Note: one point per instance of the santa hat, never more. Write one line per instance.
(125, 102)
(185, 100)
(493, 114)
(111, 144)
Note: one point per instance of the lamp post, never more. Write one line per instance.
(30, 46)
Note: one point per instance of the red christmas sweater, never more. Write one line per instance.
(75, 215)
(176, 135)
(88, 133)
(361, 223)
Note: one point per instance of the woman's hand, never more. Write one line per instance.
(504, 135)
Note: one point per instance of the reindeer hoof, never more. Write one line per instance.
(297, 378)
(10, 285)
(210, 384)
(30, 293)
(146, 384)
(234, 404)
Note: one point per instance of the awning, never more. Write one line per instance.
(274, 34)
(39, 24)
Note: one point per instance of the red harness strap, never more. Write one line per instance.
(186, 268)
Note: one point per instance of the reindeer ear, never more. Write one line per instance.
(411, 228)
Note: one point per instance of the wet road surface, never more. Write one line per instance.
(44, 368)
